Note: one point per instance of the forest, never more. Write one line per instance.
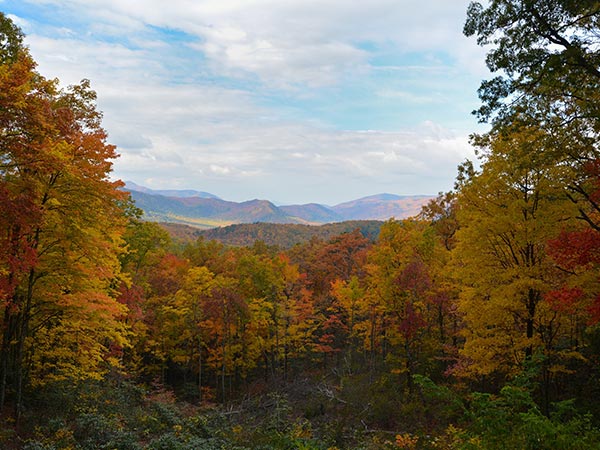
(474, 325)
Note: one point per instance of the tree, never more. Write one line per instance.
(546, 50)
(549, 55)
(441, 214)
(61, 227)
(350, 296)
(340, 258)
(508, 212)
(187, 314)
(146, 242)
(400, 293)
(165, 278)
(226, 313)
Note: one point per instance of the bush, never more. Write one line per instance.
(513, 420)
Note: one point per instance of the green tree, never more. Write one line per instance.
(545, 50)
(548, 56)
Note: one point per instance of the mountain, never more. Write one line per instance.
(131, 186)
(207, 212)
(381, 207)
(204, 210)
(312, 213)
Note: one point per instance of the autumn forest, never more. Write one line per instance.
(474, 325)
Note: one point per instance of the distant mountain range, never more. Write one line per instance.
(131, 186)
(205, 210)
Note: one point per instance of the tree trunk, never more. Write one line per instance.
(532, 299)
(5, 354)
(199, 370)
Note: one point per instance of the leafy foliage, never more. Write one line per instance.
(60, 233)
(472, 326)
(287, 235)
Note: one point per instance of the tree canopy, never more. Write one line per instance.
(473, 325)
(61, 225)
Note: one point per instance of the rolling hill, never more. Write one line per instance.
(312, 213)
(273, 234)
(205, 210)
(381, 207)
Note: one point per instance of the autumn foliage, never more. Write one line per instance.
(478, 316)
(60, 230)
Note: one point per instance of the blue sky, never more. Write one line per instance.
(294, 101)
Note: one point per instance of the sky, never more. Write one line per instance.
(294, 101)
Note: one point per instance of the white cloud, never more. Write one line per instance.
(296, 41)
(301, 158)
(284, 64)
(71, 60)
(411, 97)
(182, 116)
(19, 21)
(212, 139)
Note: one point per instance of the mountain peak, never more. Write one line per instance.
(205, 210)
(382, 207)
(384, 197)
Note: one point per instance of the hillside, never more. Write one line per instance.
(205, 210)
(312, 213)
(381, 207)
(280, 235)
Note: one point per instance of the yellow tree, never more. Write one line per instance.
(225, 317)
(440, 213)
(400, 292)
(298, 316)
(271, 287)
(262, 288)
(507, 214)
(350, 297)
(184, 317)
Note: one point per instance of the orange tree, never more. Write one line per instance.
(60, 229)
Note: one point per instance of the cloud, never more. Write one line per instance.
(19, 21)
(284, 65)
(71, 60)
(245, 158)
(251, 98)
(411, 97)
(286, 43)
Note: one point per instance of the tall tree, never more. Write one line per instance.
(545, 50)
(548, 56)
(508, 212)
(400, 290)
(60, 262)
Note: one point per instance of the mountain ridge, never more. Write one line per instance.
(205, 210)
(179, 193)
